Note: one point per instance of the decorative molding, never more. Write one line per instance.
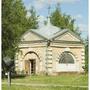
(67, 42)
(83, 57)
(35, 41)
(49, 54)
(83, 64)
(82, 54)
(83, 61)
(49, 67)
(67, 49)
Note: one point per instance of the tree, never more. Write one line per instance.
(14, 24)
(62, 20)
(32, 19)
(86, 56)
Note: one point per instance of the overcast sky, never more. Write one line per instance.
(78, 9)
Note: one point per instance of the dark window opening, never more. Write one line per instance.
(66, 58)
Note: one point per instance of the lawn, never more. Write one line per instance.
(14, 87)
(68, 80)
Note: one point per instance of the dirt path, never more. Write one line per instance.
(46, 85)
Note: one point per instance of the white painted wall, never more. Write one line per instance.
(67, 67)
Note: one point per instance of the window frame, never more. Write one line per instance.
(65, 61)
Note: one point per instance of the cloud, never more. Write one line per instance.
(37, 4)
(83, 27)
(41, 20)
(66, 1)
(78, 16)
(40, 4)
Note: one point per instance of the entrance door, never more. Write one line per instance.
(27, 65)
(32, 66)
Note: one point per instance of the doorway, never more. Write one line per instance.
(32, 66)
(31, 63)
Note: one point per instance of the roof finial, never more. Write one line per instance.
(48, 18)
(49, 7)
(49, 10)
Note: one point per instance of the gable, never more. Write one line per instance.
(31, 36)
(67, 37)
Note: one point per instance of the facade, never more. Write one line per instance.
(49, 50)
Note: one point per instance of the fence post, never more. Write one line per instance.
(9, 78)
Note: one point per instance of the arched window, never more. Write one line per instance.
(66, 57)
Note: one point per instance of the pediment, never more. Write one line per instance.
(67, 37)
(30, 36)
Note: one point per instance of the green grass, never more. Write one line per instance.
(14, 87)
(63, 79)
(67, 79)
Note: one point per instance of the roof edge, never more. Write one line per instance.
(32, 30)
(67, 30)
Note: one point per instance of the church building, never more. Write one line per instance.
(50, 50)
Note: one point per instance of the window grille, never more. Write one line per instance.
(66, 57)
